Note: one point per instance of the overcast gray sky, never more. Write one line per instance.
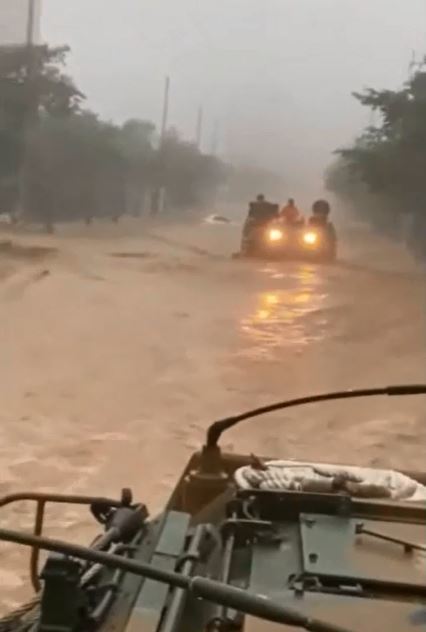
(276, 73)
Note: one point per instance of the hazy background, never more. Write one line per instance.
(276, 74)
(13, 21)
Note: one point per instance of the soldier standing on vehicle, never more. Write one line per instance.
(320, 215)
(260, 213)
(259, 209)
(291, 214)
(259, 204)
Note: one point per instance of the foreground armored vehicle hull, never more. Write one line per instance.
(243, 544)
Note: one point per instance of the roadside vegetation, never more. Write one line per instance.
(382, 177)
(59, 161)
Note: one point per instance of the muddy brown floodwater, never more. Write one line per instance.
(120, 345)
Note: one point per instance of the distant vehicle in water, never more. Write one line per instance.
(217, 219)
(266, 233)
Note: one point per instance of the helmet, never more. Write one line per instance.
(260, 198)
(321, 207)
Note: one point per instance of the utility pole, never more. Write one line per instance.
(412, 64)
(199, 130)
(215, 136)
(31, 109)
(162, 190)
(165, 109)
(30, 24)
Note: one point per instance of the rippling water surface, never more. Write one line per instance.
(118, 351)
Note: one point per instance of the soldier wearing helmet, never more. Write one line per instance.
(319, 217)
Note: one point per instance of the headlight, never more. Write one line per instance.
(310, 238)
(275, 234)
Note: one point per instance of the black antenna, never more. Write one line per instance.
(216, 430)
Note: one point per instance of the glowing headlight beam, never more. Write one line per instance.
(275, 234)
(310, 238)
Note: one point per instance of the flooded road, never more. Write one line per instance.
(119, 349)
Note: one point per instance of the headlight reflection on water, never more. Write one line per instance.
(286, 317)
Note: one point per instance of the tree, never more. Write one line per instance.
(45, 91)
(387, 164)
(136, 143)
(77, 165)
(53, 91)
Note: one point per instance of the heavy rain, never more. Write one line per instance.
(126, 325)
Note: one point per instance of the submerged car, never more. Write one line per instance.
(280, 240)
(245, 543)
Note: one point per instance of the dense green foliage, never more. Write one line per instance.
(383, 174)
(76, 166)
(50, 94)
